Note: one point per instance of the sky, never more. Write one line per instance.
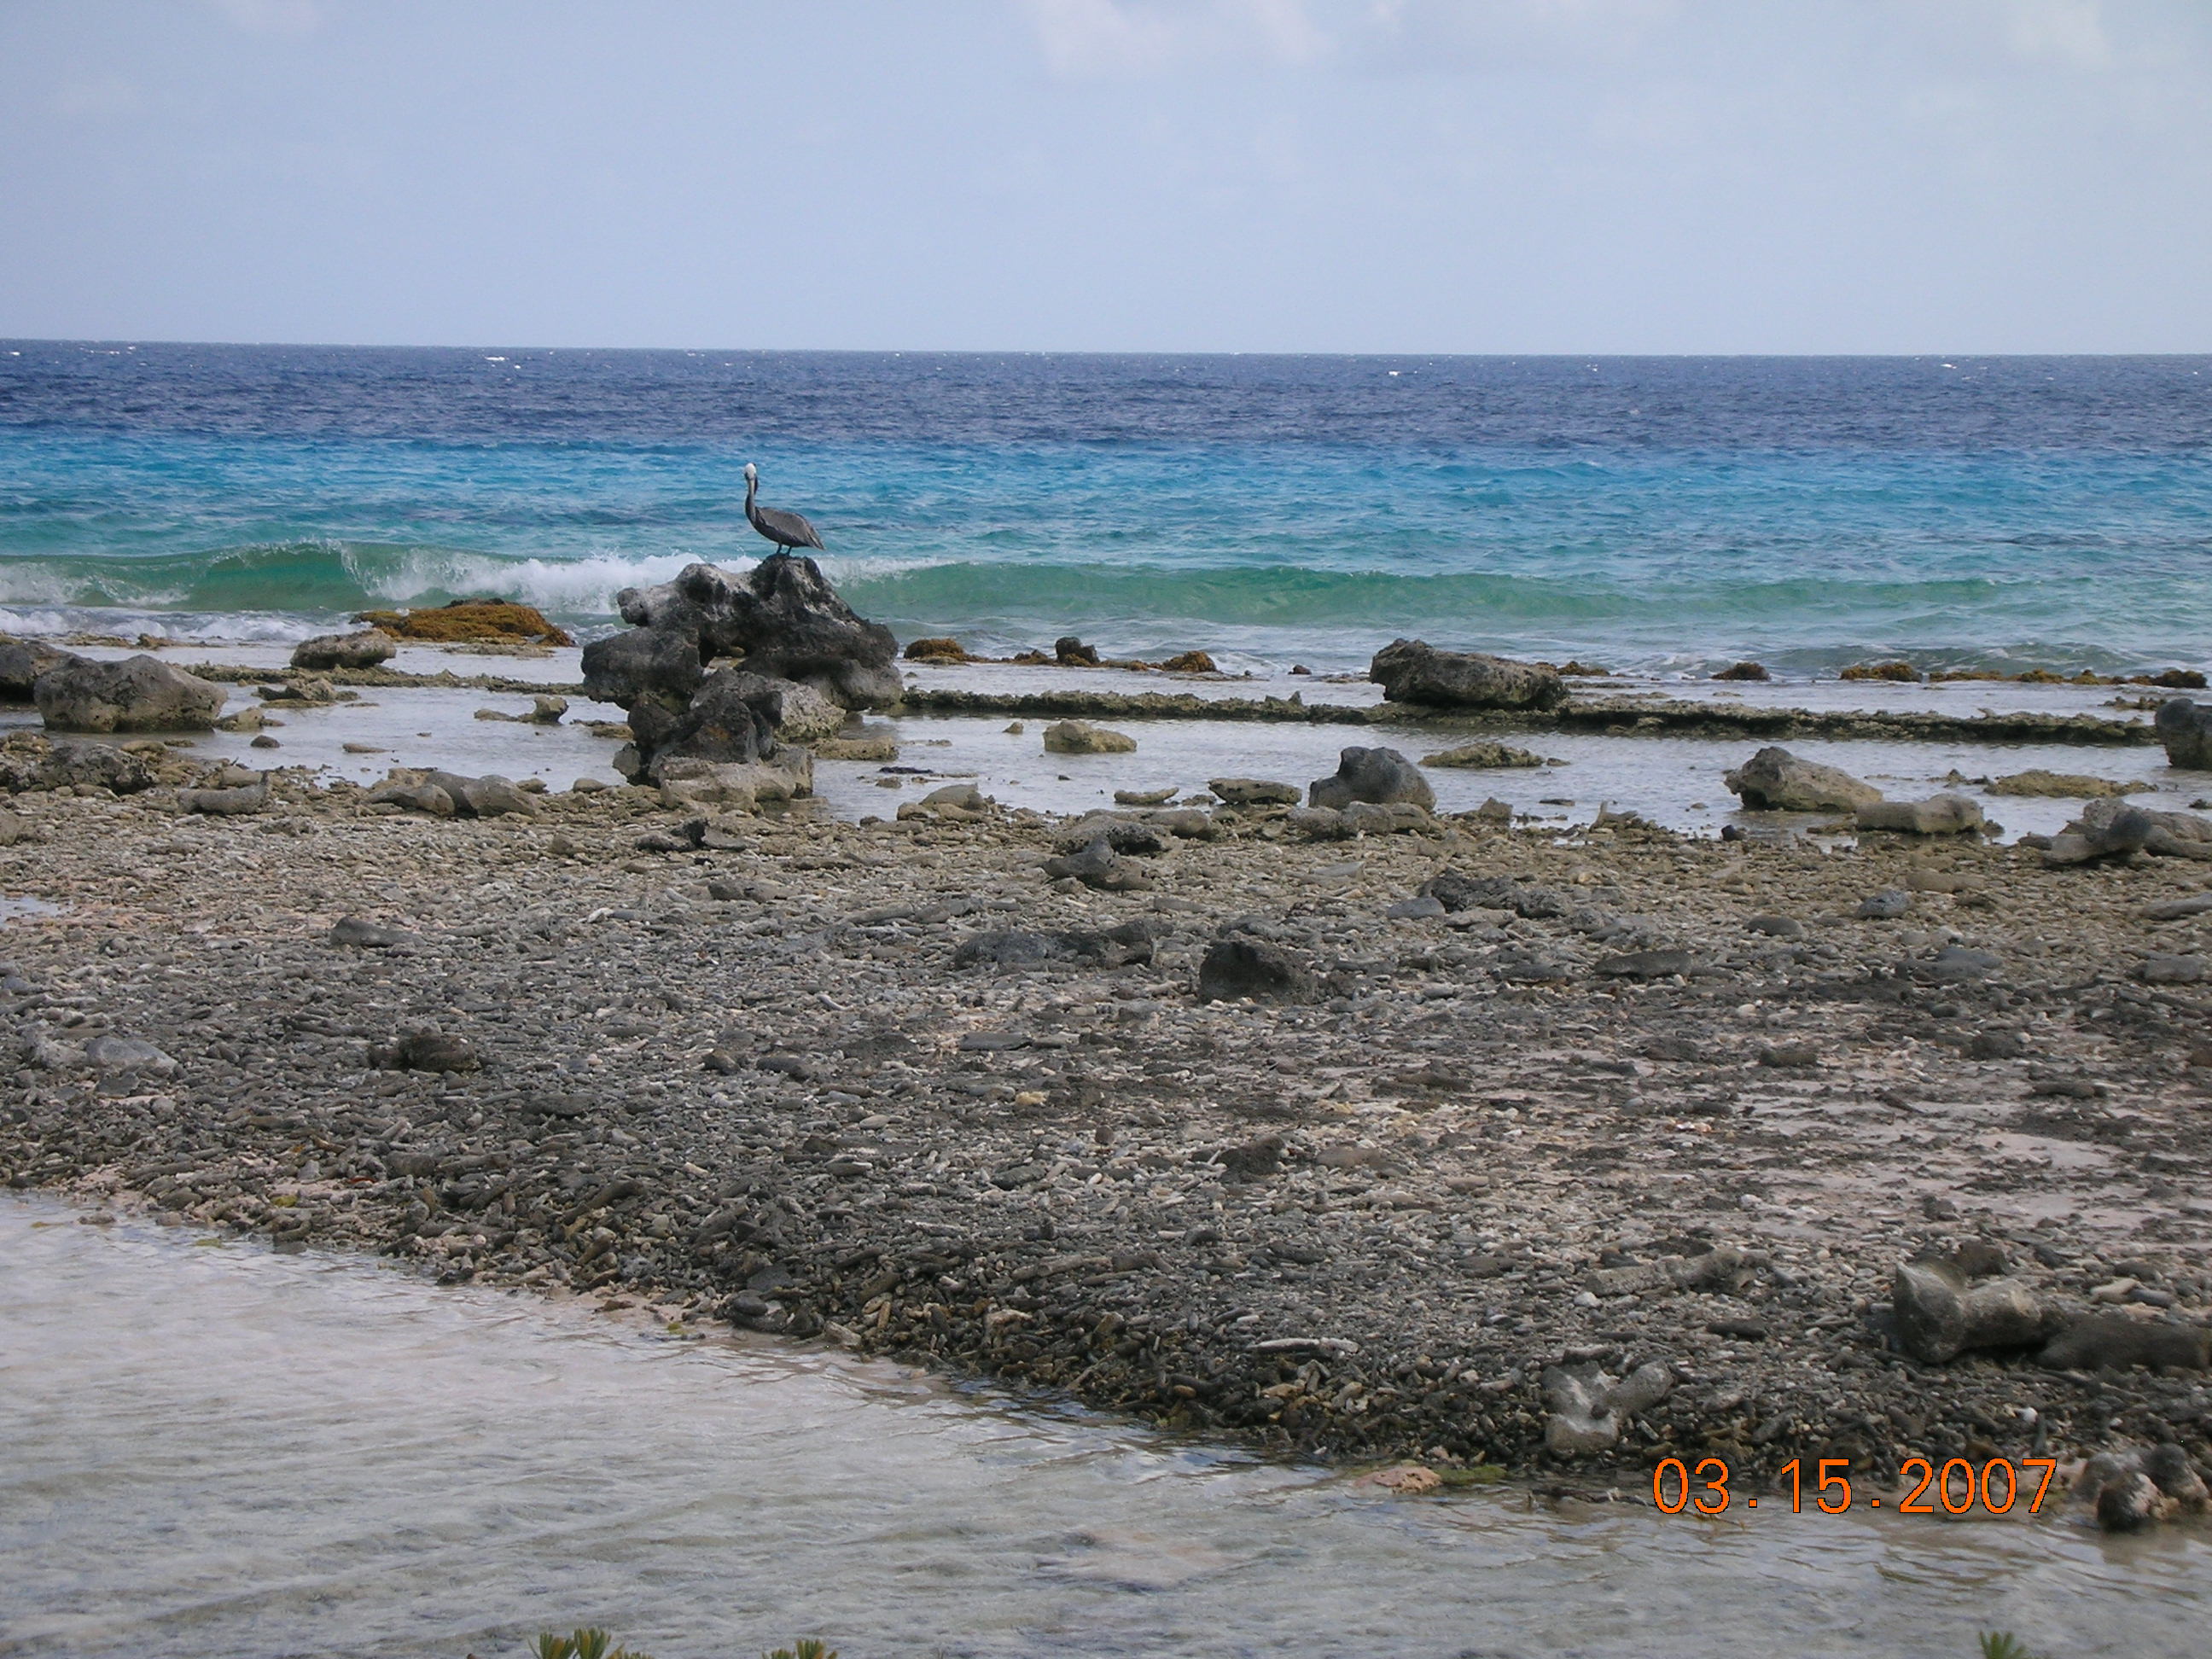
(1513, 176)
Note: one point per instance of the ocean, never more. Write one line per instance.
(1657, 515)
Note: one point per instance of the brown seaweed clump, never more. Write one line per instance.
(469, 619)
(1902, 671)
(937, 650)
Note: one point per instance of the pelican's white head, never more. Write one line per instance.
(752, 473)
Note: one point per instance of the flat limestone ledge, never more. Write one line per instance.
(751, 1081)
(445, 679)
(1628, 717)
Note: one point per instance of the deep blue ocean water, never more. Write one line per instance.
(1648, 512)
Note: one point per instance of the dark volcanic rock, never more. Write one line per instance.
(1412, 671)
(2185, 728)
(1380, 776)
(1240, 967)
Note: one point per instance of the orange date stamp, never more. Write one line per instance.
(1958, 1487)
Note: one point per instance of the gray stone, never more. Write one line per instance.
(546, 710)
(236, 801)
(22, 663)
(68, 764)
(1774, 780)
(1081, 738)
(2186, 729)
(1939, 814)
(365, 649)
(1252, 792)
(1376, 776)
(1243, 967)
(736, 787)
(1588, 1407)
(1100, 866)
(1887, 905)
(1412, 671)
(2099, 1342)
(426, 1051)
(1941, 1313)
(122, 1053)
(1647, 964)
(2106, 829)
(1117, 947)
(2171, 971)
(1955, 963)
(138, 693)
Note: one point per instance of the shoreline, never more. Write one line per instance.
(756, 1080)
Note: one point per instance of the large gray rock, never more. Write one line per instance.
(687, 781)
(1413, 671)
(1376, 776)
(324, 652)
(2113, 828)
(449, 794)
(2186, 729)
(138, 693)
(782, 614)
(22, 662)
(1774, 780)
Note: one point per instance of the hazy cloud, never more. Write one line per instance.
(294, 18)
(99, 94)
(1091, 37)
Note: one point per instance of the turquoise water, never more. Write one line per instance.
(1652, 514)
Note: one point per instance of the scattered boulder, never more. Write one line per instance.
(22, 663)
(1124, 835)
(1939, 814)
(464, 621)
(123, 1054)
(233, 802)
(449, 794)
(546, 710)
(1941, 1311)
(1240, 967)
(2129, 1489)
(138, 693)
(1100, 866)
(1081, 738)
(1776, 780)
(1483, 755)
(2184, 729)
(361, 933)
(365, 649)
(1412, 671)
(1117, 947)
(2059, 785)
(1397, 817)
(1144, 797)
(1456, 891)
(954, 802)
(29, 762)
(2106, 829)
(1589, 1407)
(1252, 792)
(1071, 652)
(1378, 775)
(736, 785)
(2113, 1341)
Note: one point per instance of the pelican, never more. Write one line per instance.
(783, 529)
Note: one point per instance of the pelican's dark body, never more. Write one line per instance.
(783, 529)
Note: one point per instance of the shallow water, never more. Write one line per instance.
(211, 1450)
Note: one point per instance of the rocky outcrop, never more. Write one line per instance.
(736, 785)
(1252, 792)
(138, 693)
(791, 627)
(30, 762)
(2186, 729)
(1380, 776)
(1412, 671)
(480, 621)
(365, 649)
(22, 662)
(1240, 967)
(1483, 755)
(1776, 780)
(449, 794)
(2113, 830)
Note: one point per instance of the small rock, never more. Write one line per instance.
(324, 652)
(363, 934)
(1474, 755)
(1775, 927)
(2186, 729)
(1081, 738)
(547, 710)
(1646, 964)
(1939, 814)
(427, 1051)
(1240, 967)
(1254, 791)
(1886, 906)
(1745, 671)
(1412, 671)
(1100, 866)
(1774, 780)
(1941, 1314)
(2113, 1341)
(122, 1053)
(2171, 971)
